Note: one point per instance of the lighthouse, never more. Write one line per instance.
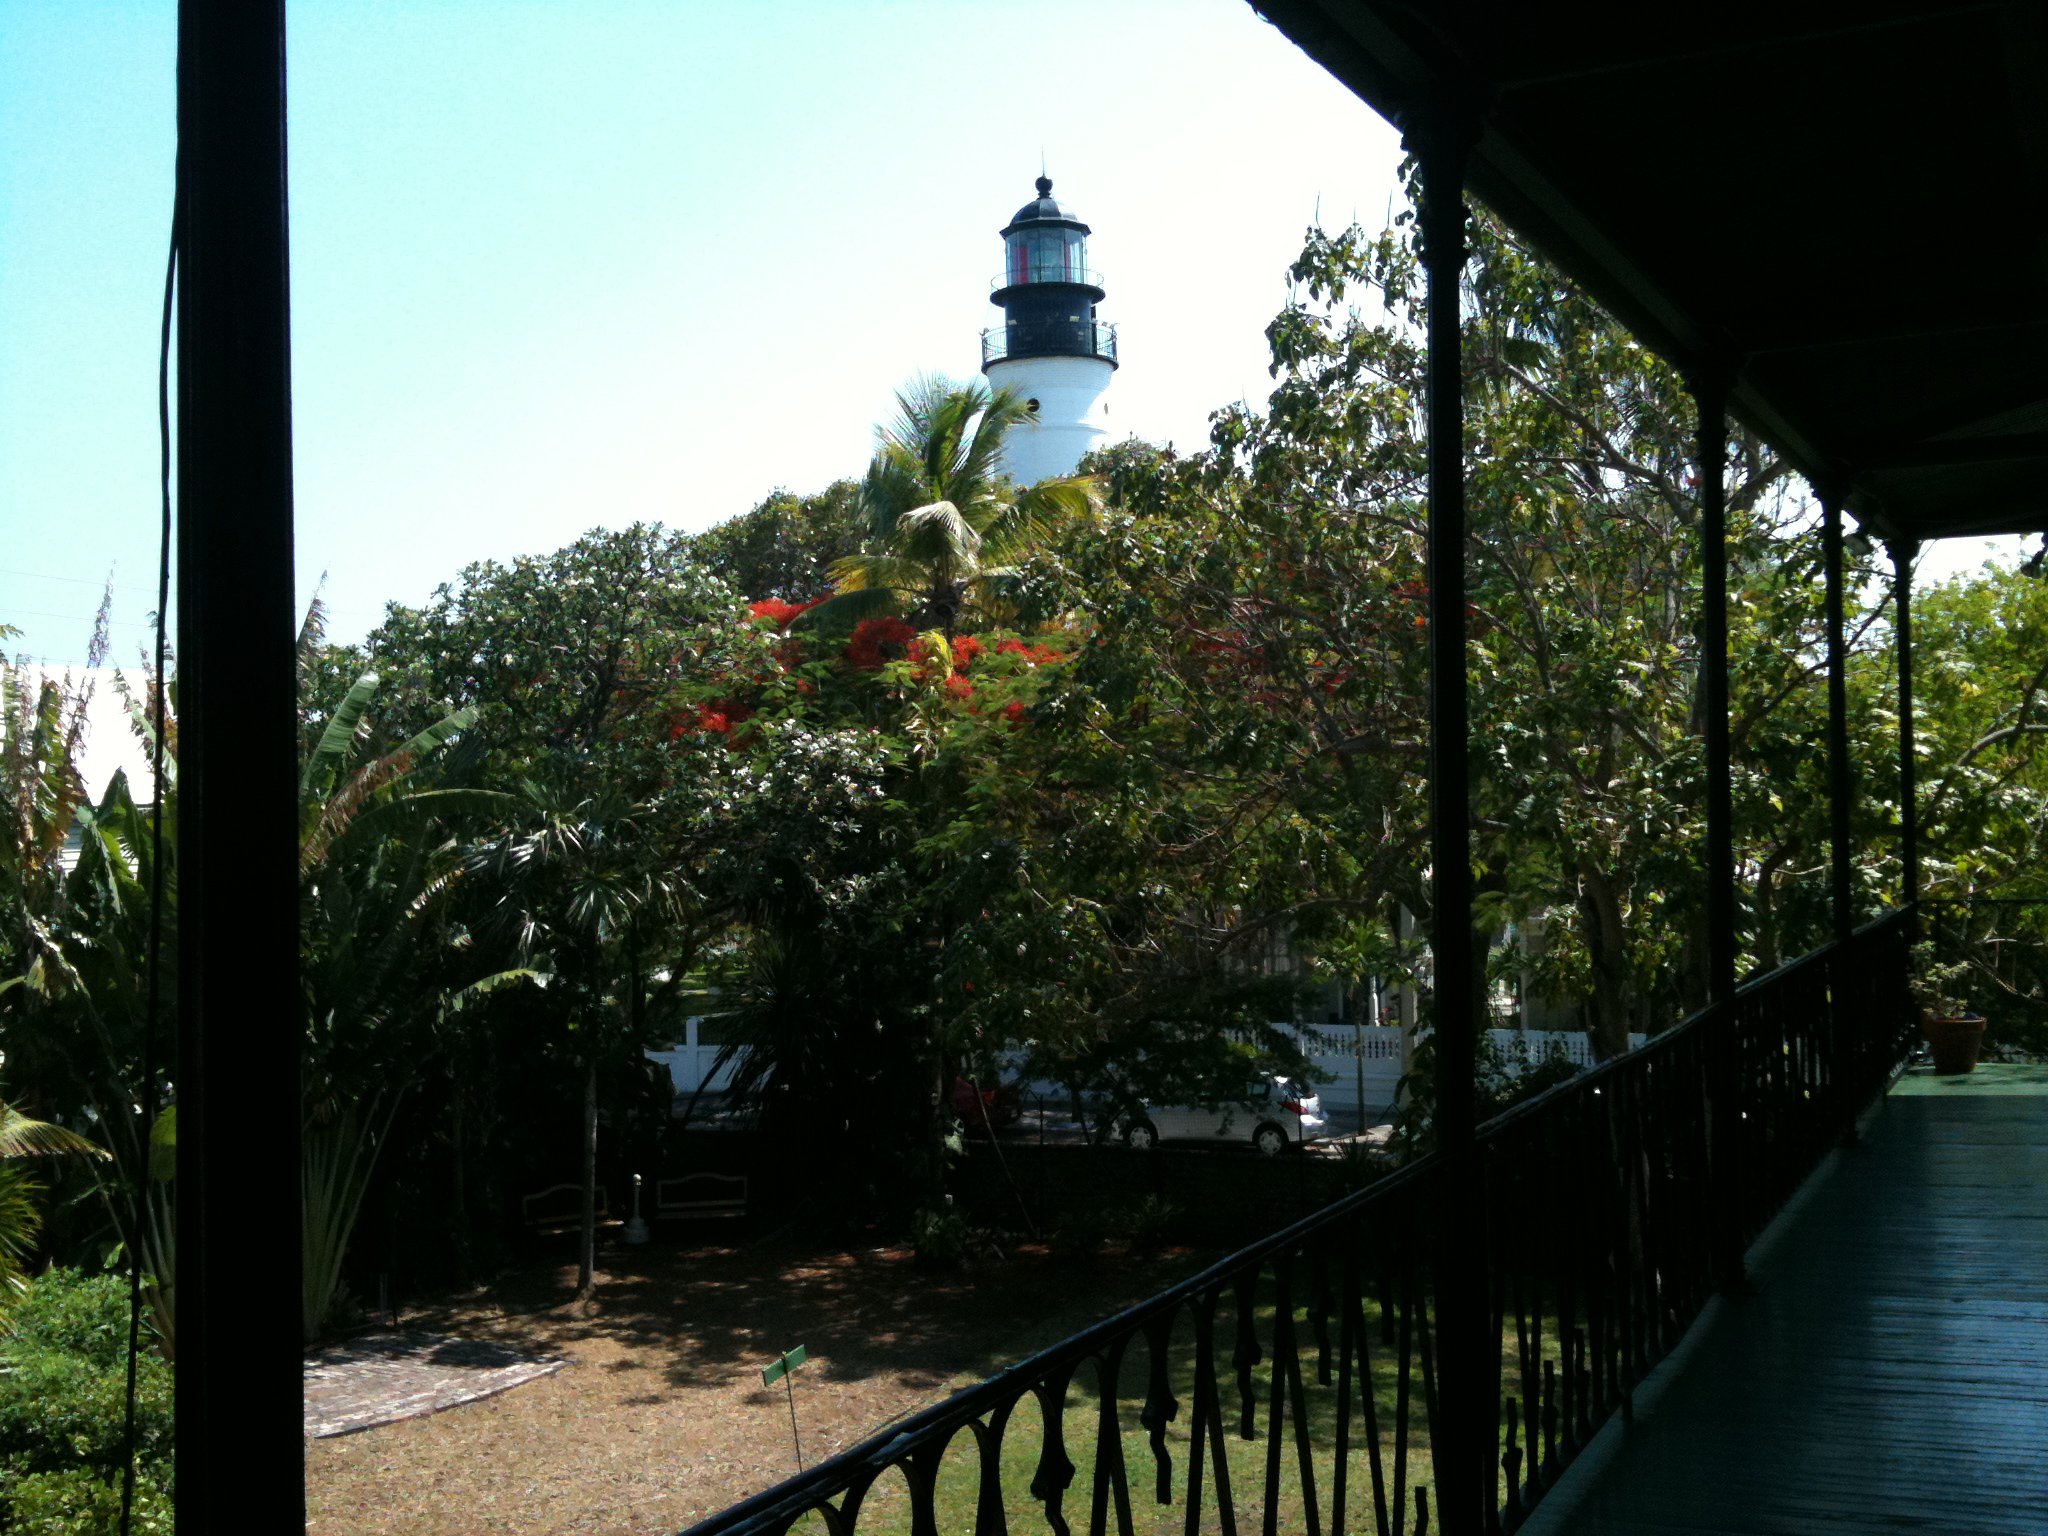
(1050, 349)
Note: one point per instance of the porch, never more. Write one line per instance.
(1472, 1322)
(1303, 1383)
(1887, 1370)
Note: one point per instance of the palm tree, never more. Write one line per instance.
(20, 1218)
(947, 529)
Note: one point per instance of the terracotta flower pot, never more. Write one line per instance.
(1954, 1042)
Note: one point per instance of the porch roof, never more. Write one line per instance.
(1842, 206)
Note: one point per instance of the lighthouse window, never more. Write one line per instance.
(1048, 257)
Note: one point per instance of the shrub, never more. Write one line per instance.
(82, 1503)
(939, 1236)
(1143, 1222)
(68, 1313)
(63, 1391)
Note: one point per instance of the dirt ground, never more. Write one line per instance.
(660, 1418)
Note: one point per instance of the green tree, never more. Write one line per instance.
(1305, 571)
(785, 547)
(573, 662)
(1980, 646)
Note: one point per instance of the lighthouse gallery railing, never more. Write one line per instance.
(1061, 338)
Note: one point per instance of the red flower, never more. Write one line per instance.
(873, 641)
(709, 719)
(965, 649)
(777, 612)
(1014, 712)
(1037, 655)
(959, 687)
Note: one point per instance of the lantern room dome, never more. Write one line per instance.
(1043, 210)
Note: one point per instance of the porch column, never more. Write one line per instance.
(1710, 392)
(1722, 1087)
(238, 1416)
(1903, 552)
(1839, 787)
(1466, 1397)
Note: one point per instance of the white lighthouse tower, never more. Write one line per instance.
(1050, 348)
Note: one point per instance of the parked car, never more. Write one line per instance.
(1273, 1113)
(983, 1111)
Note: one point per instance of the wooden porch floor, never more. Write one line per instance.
(1889, 1371)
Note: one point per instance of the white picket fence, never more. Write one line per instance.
(692, 1064)
(1339, 1050)
(1336, 1049)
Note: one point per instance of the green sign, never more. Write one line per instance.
(781, 1368)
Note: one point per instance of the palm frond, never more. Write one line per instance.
(21, 1136)
(312, 635)
(21, 1219)
(1002, 413)
(1040, 514)
(937, 538)
(895, 482)
(317, 779)
(437, 735)
(883, 570)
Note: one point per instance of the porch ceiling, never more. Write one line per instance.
(1845, 205)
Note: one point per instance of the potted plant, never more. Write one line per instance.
(1954, 1033)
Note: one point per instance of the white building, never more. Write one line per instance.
(1051, 349)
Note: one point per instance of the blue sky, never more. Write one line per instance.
(557, 265)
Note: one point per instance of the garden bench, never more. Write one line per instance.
(558, 1208)
(701, 1196)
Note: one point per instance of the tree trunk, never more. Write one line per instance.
(458, 1181)
(586, 1261)
(1607, 949)
(1692, 965)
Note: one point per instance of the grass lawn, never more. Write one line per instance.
(956, 1491)
(660, 1417)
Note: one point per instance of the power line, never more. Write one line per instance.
(82, 618)
(76, 581)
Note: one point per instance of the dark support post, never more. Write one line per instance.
(1903, 553)
(1465, 1396)
(1710, 392)
(1839, 850)
(239, 1446)
(1723, 1088)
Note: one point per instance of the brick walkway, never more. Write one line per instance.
(378, 1378)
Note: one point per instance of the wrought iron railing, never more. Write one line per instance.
(1305, 1367)
(1045, 272)
(1048, 338)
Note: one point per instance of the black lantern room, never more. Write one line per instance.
(1047, 291)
